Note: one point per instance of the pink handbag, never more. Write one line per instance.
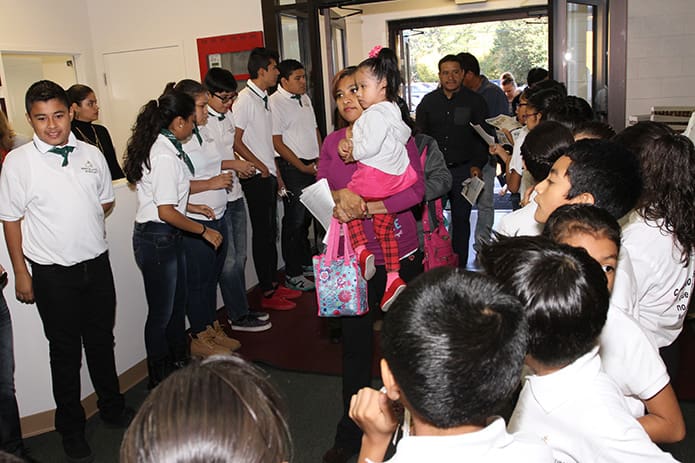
(439, 251)
(340, 289)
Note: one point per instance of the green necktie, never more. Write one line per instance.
(179, 148)
(196, 131)
(221, 117)
(64, 151)
(298, 98)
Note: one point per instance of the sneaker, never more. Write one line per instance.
(277, 302)
(119, 420)
(308, 270)
(367, 267)
(77, 449)
(287, 293)
(392, 292)
(259, 315)
(202, 345)
(300, 283)
(220, 337)
(250, 323)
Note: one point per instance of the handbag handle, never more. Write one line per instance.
(334, 239)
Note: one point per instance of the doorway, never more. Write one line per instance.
(23, 69)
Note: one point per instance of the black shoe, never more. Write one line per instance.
(120, 420)
(337, 455)
(77, 449)
(158, 370)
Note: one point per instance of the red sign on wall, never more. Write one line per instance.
(230, 52)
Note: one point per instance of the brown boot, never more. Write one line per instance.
(202, 345)
(220, 337)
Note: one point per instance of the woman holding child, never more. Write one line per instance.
(357, 331)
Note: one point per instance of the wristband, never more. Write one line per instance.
(204, 230)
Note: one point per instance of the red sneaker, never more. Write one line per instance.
(287, 293)
(392, 292)
(367, 267)
(276, 302)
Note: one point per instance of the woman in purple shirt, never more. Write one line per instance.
(357, 331)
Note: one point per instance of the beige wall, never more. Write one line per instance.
(660, 54)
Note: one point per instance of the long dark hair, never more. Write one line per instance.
(385, 66)
(77, 93)
(154, 116)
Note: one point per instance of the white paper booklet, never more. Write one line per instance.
(319, 201)
(472, 188)
(489, 139)
(504, 122)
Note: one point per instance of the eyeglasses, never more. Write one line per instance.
(226, 99)
(526, 116)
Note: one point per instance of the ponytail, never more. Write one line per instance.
(153, 117)
(385, 66)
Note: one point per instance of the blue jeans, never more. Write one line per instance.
(486, 206)
(232, 279)
(10, 430)
(203, 267)
(161, 258)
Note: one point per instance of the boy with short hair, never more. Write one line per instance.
(453, 345)
(296, 139)
(570, 402)
(253, 141)
(54, 193)
(220, 127)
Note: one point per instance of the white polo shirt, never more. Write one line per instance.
(220, 127)
(521, 222)
(207, 161)
(664, 283)
(61, 206)
(255, 120)
(581, 414)
(492, 444)
(167, 182)
(296, 124)
(631, 358)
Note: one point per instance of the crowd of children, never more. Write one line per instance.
(581, 296)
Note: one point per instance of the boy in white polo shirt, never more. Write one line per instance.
(253, 141)
(54, 193)
(569, 402)
(296, 139)
(453, 345)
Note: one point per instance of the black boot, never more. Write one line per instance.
(158, 370)
(180, 356)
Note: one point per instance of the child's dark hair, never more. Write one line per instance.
(190, 87)
(573, 219)
(606, 170)
(563, 290)
(261, 57)
(594, 129)
(548, 84)
(154, 116)
(536, 75)
(45, 90)
(455, 343)
(543, 146)
(220, 80)
(667, 162)
(469, 63)
(541, 100)
(569, 111)
(385, 66)
(288, 66)
(77, 93)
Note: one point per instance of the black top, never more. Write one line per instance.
(98, 136)
(448, 122)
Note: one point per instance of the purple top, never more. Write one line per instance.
(338, 174)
